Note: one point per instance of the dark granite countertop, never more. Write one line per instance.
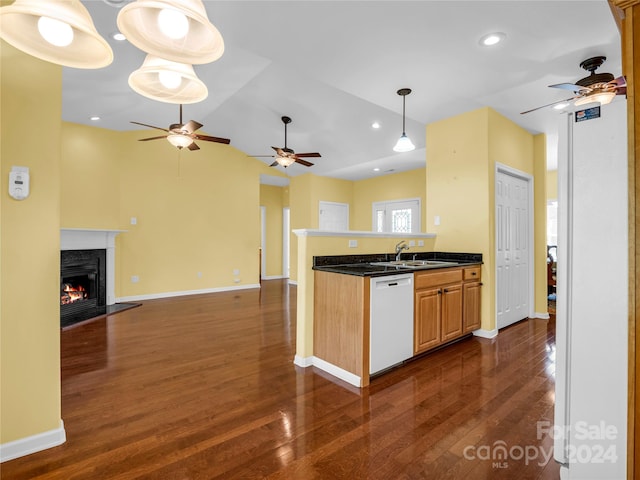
(369, 265)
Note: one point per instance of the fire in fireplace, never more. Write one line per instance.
(82, 285)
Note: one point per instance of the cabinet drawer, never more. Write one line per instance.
(472, 273)
(432, 279)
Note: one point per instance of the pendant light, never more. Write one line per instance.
(57, 31)
(178, 30)
(404, 143)
(167, 81)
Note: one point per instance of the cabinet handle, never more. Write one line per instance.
(446, 290)
(474, 274)
(439, 292)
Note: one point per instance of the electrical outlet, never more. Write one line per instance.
(134, 221)
(412, 243)
(421, 243)
(353, 243)
(236, 271)
(436, 220)
(135, 279)
(199, 274)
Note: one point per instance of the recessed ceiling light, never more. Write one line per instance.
(375, 125)
(119, 37)
(376, 169)
(560, 106)
(492, 39)
(95, 118)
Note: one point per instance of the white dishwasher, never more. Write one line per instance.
(391, 332)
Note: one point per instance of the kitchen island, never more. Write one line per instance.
(443, 307)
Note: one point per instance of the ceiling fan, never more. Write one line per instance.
(596, 87)
(285, 156)
(183, 135)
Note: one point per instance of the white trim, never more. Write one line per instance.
(32, 444)
(263, 241)
(286, 241)
(337, 372)
(505, 169)
(330, 368)
(542, 316)
(303, 362)
(293, 282)
(154, 296)
(93, 239)
(486, 333)
(308, 232)
(273, 277)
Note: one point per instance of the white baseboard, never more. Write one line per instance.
(303, 362)
(542, 316)
(293, 282)
(486, 333)
(33, 444)
(273, 277)
(330, 368)
(154, 296)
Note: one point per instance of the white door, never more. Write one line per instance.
(333, 216)
(512, 248)
(285, 241)
(397, 216)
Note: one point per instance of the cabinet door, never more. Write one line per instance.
(451, 312)
(471, 307)
(427, 319)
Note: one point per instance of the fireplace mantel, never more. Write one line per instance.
(90, 239)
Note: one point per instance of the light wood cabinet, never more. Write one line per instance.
(447, 306)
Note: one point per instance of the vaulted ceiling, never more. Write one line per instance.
(334, 67)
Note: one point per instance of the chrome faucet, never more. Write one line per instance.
(399, 248)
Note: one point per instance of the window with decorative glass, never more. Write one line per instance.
(397, 216)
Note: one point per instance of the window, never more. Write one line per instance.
(397, 216)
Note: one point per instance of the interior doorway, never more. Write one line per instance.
(514, 240)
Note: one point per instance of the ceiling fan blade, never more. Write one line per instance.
(307, 155)
(570, 86)
(548, 105)
(193, 146)
(207, 138)
(279, 151)
(273, 164)
(150, 126)
(191, 126)
(151, 138)
(304, 162)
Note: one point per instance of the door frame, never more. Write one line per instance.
(286, 249)
(514, 172)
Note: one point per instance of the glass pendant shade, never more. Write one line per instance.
(285, 161)
(167, 81)
(57, 31)
(404, 144)
(601, 97)
(178, 30)
(178, 140)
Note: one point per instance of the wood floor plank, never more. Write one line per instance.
(204, 387)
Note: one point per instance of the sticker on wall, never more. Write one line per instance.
(588, 114)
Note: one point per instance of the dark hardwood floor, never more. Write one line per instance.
(203, 387)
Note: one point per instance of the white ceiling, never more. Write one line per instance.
(334, 67)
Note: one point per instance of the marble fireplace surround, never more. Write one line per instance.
(90, 239)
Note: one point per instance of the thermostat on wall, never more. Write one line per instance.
(19, 182)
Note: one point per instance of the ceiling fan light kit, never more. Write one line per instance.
(57, 31)
(178, 30)
(404, 143)
(167, 81)
(603, 98)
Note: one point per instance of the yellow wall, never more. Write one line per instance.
(396, 186)
(30, 109)
(198, 216)
(305, 193)
(552, 185)
(271, 197)
(462, 152)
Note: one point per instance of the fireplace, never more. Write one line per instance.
(83, 286)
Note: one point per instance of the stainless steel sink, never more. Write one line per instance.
(415, 263)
